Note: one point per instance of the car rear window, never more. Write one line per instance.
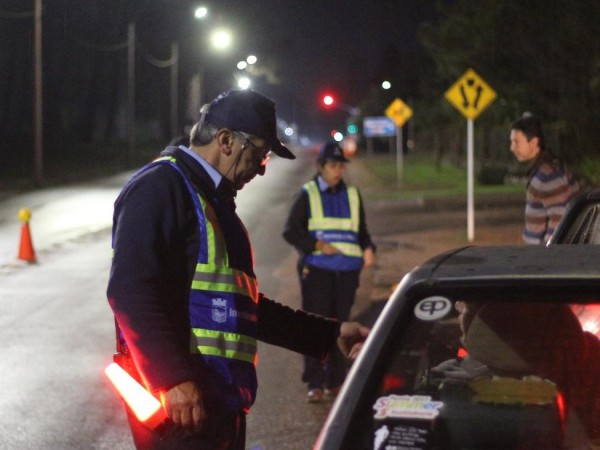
(473, 375)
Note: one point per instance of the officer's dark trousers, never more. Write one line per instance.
(225, 430)
(331, 294)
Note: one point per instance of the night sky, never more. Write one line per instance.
(317, 46)
(304, 48)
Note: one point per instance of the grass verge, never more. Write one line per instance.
(422, 178)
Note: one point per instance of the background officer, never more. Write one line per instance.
(327, 226)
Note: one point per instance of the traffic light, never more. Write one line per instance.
(328, 100)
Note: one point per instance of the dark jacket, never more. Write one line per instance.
(156, 241)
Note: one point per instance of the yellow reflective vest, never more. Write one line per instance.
(334, 218)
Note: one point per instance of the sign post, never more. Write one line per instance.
(399, 112)
(470, 94)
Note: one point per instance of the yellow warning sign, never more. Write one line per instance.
(399, 112)
(470, 94)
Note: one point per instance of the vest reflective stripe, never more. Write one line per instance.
(225, 279)
(317, 220)
(314, 198)
(200, 205)
(227, 345)
(215, 239)
(213, 274)
(346, 248)
(331, 223)
(222, 304)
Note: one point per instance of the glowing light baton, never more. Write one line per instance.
(145, 406)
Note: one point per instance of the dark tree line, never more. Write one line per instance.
(85, 66)
(541, 57)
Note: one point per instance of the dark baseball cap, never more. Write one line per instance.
(247, 111)
(331, 151)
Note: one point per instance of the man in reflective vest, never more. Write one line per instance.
(327, 226)
(182, 283)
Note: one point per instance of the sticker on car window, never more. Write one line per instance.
(433, 308)
(403, 421)
(393, 437)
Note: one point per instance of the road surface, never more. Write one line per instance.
(57, 330)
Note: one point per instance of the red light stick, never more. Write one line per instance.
(145, 406)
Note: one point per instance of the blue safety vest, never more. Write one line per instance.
(335, 220)
(223, 308)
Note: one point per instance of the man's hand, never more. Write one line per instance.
(184, 406)
(352, 335)
(368, 257)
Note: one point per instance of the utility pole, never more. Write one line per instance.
(131, 93)
(38, 144)
(174, 89)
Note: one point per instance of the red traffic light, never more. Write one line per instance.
(328, 100)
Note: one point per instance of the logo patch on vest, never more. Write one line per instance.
(219, 310)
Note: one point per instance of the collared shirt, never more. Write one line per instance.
(324, 186)
(212, 172)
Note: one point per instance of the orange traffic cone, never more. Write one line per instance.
(26, 251)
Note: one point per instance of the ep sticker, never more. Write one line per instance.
(433, 308)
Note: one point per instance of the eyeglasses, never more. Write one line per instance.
(263, 152)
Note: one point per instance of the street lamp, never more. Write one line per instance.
(201, 12)
(221, 39)
(244, 83)
(248, 66)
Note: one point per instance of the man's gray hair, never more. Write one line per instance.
(203, 133)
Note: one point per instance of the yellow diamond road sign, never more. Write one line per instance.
(470, 94)
(399, 112)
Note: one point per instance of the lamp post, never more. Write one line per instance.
(219, 40)
(131, 94)
(38, 145)
(174, 88)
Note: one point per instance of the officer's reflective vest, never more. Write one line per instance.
(223, 307)
(335, 221)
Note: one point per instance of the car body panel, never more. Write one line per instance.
(560, 274)
(581, 222)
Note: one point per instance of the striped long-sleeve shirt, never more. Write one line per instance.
(549, 191)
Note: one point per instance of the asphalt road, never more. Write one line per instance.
(57, 330)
